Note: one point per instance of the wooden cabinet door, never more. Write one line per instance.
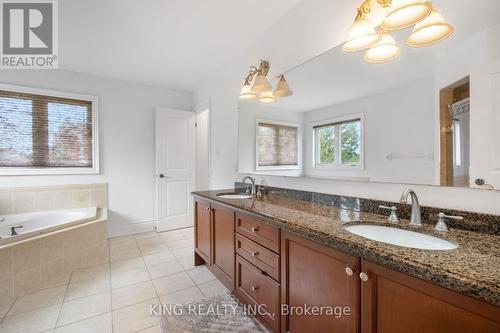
(396, 302)
(202, 238)
(223, 245)
(315, 276)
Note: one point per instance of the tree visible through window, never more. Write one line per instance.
(338, 143)
(38, 131)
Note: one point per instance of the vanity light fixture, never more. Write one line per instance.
(282, 88)
(430, 28)
(267, 97)
(246, 91)
(406, 13)
(430, 31)
(257, 86)
(362, 34)
(384, 50)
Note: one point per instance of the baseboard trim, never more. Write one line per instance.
(116, 230)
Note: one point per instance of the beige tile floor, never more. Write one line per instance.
(144, 269)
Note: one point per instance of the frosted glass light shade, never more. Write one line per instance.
(282, 88)
(430, 31)
(361, 36)
(267, 97)
(261, 84)
(246, 92)
(385, 50)
(405, 13)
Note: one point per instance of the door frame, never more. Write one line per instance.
(156, 173)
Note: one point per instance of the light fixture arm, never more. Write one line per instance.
(263, 69)
(366, 7)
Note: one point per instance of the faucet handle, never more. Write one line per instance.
(13, 231)
(441, 225)
(393, 217)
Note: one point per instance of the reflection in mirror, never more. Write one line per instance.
(429, 117)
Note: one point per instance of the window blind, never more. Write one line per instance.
(38, 131)
(277, 145)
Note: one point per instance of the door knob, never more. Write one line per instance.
(161, 175)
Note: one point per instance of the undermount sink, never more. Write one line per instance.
(400, 237)
(234, 196)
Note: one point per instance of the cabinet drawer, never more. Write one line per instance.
(259, 232)
(255, 288)
(267, 261)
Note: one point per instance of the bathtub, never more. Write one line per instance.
(40, 223)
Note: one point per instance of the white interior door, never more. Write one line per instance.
(175, 168)
(485, 125)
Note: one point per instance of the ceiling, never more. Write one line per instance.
(174, 44)
(337, 76)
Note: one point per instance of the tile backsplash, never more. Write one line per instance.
(30, 199)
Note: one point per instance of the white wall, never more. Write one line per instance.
(399, 122)
(127, 143)
(318, 34)
(248, 114)
(203, 151)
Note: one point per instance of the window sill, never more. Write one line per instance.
(338, 167)
(277, 168)
(47, 171)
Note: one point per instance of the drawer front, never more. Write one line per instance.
(267, 261)
(256, 288)
(259, 232)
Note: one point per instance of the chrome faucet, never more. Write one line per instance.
(416, 217)
(253, 187)
(13, 231)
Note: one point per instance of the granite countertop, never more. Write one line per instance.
(472, 269)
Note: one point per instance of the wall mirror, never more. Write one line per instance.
(431, 116)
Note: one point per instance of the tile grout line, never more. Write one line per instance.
(150, 279)
(100, 314)
(62, 303)
(110, 288)
(72, 323)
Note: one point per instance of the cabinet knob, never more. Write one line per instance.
(254, 230)
(348, 271)
(255, 288)
(207, 209)
(254, 254)
(363, 276)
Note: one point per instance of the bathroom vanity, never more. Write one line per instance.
(295, 258)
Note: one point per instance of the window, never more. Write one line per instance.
(277, 145)
(45, 132)
(338, 142)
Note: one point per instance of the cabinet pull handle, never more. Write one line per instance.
(254, 230)
(255, 288)
(363, 276)
(254, 254)
(348, 271)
